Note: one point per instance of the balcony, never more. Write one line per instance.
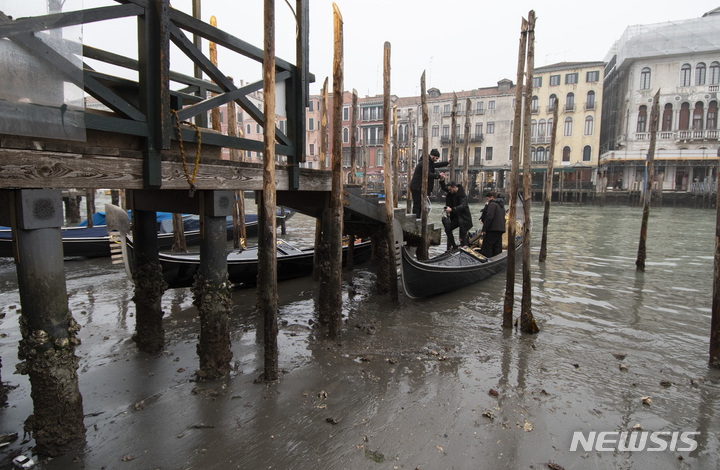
(698, 135)
(550, 109)
(477, 137)
(589, 106)
(533, 111)
(542, 139)
(480, 111)
(569, 107)
(446, 139)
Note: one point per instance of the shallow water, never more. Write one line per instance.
(408, 383)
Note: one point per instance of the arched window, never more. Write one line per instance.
(533, 154)
(700, 73)
(712, 115)
(346, 135)
(645, 78)
(685, 75)
(533, 128)
(684, 123)
(549, 126)
(714, 73)
(568, 127)
(541, 128)
(248, 129)
(589, 125)
(570, 101)
(642, 119)
(590, 100)
(566, 154)
(698, 115)
(435, 131)
(587, 153)
(667, 117)
(541, 155)
(534, 104)
(551, 102)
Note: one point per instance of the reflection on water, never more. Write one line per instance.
(410, 380)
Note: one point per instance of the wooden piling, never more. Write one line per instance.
(423, 247)
(466, 161)
(90, 206)
(49, 332)
(324, 124)
(365, 163)
(239, 229)
(215, 113)
(409, 161)
(453, 137)
(353, 138)
(715, 318)
(267, 293)
(514, 174)
(395, 167)
(72, 208)
(390, 168)
(527, 322)
(179, 242)
(548, 186)
(642, 250)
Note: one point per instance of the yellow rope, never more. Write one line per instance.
(191, 181)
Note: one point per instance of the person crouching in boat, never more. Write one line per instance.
(458, 213)
(493, 219)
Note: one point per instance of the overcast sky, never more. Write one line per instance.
(460, 44)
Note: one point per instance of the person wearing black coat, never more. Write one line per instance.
(416, 181)
(493, 218)
(458, 213)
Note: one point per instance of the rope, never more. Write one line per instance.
(191, 181)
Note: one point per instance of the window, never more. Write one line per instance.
(436, 109)
(510, 154)
(712, 115)
(698, 116)
(373, 113)
(537, 82)
(259, 129)
(534, 104)
(446, 131)
(445, 154)
(488, 154)
(419, 132)
(588, 125)
(684, 122)
(587, 153)
(490, 128)
(249, 129)
(566, 154)
(567, 132)
(311, 124)
(459, 107)
(312, 148)
(645, 78)
(570, 101)
(435, 131)
(481, 106)
(346, 135)
(700, 73)
(457, 130)
(592, 76)
(283, 126)
(685, 75)
(551, 102)
(571, 78)
(667, 117)
(554, 80)
(310, 105)
(346, 113)
(590, 100)
(491, 104)
(549, 125)
(541, 128)
(714, 74)
(446, 109)
(379, 157)
(533, 128)
(478, 129)
(541, 155)
(478, 155)
(642, 119)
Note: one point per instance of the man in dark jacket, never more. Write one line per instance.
(458, 213)
(493, 219)
(416, 181)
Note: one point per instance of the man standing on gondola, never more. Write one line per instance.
(416, 182)
(493, 219)
(458, 213)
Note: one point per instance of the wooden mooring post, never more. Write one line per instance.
(514, 174)
(353, 139)
(423, 248)
(642, 245)
(409, 163)
(548, 187)
(466, 161)
(715, 319)
(49, 332)
(453, 137)
(395, 162)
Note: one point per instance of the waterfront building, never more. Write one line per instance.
(681, 59)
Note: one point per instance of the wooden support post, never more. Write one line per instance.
(239, 230)
(395, 167)
(179, 242)
(424, 245)
(365, 164)
(149, 283)
(514, 175)
(527, 322)
(49, 332)
(390, 268)
(90, 206)
(324, 124)
(715, 317)
(547, 196)
(267, 253)
(466, 161)
(353, 138)
(215, 113)
(410, 156)
(453, 137)
(212, 297)
(654, 113)
(72, 207)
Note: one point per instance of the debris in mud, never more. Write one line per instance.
(646, 400)
(623, 367)
(665, 383)
(620, 356)
(365, 358)
(322, 394)
(577, 366)
(489, 414)
(392, 361)
(331, 420)
(375, 456)
(527, 427)
(637, 427)
(208, 392)
(139, 405)
(554, 466)
(202, 426)
(367, 328)
(493, 393)
(128, 458)
(7, 438)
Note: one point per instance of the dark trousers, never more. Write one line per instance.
(417, 203)
(492, 244)
(450, 224)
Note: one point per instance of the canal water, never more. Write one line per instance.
(431, 384)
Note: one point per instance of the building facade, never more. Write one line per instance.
(681, 60)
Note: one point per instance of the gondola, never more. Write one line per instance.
(454, 270)
(94, 242)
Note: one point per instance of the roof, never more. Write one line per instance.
(568, 66)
